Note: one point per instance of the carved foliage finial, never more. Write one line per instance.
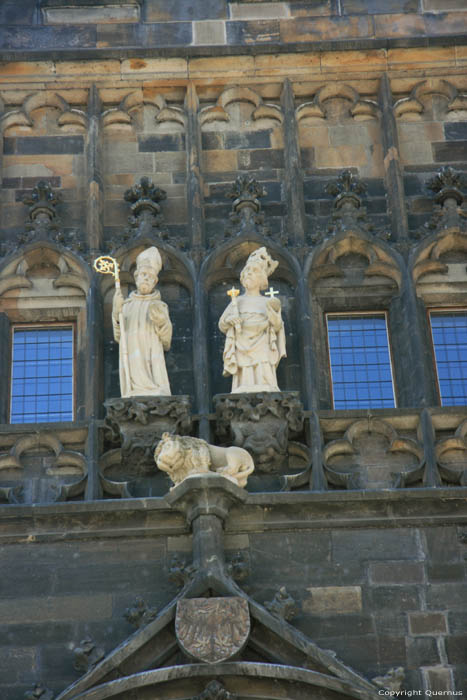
(246, 214)
(44, 223)
(145, 195)
(42, 215)
(348, 214)
(144, 198)
(346, 189)
(283, 605)
(447, 185)
(246, 193)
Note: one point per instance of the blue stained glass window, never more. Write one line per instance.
(450, 342)
(360, 362)
(42, 375)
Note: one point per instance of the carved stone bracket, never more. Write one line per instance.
(140, 614)
(207, 494)
(180, 573)
(139, 422)
(39, 692)
(261, 423)
(215, 691)
(239, 567)
(87, 655)
(392, 681)
(283, 605)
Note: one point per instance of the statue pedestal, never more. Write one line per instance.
(262, 423)
(140, 421)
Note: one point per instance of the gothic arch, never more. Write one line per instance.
(382, 260)
(257, 681)
(359, 109)
(427, 258)
(68, 269)
(68, 117)
(413, 107)
(121, 116)
(176, 267)
(260, 109)
(228, 255)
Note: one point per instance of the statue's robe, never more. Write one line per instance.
(142, 363)
(253, 351)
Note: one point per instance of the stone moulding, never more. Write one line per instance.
(451, 456)
(388, 469)
(65, 477)
(291, 680)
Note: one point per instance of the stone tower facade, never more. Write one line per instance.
(334, 134)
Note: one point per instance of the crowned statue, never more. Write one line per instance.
(142, 327)
(252, 323)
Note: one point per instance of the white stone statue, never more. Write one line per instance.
(143, 329)
(181, 457)
(255, 340)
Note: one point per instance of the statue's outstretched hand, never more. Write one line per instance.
(118, 302)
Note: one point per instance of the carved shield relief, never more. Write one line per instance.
(212, 629)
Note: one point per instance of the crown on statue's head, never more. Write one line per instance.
(262, 257)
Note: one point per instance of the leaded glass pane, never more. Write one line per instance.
(450, 343)
(42, 375)
(360, 362)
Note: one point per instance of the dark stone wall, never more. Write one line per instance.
(34, 27)
(381, 595)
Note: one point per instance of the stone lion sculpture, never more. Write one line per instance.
(186, 456)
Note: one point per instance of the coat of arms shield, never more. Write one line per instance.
(212, 629)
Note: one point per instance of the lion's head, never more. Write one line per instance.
(181, 456)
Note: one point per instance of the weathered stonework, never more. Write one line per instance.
(262, 423)
(337, 130)
(140, 422)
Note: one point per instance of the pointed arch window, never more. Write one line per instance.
(42, 369)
